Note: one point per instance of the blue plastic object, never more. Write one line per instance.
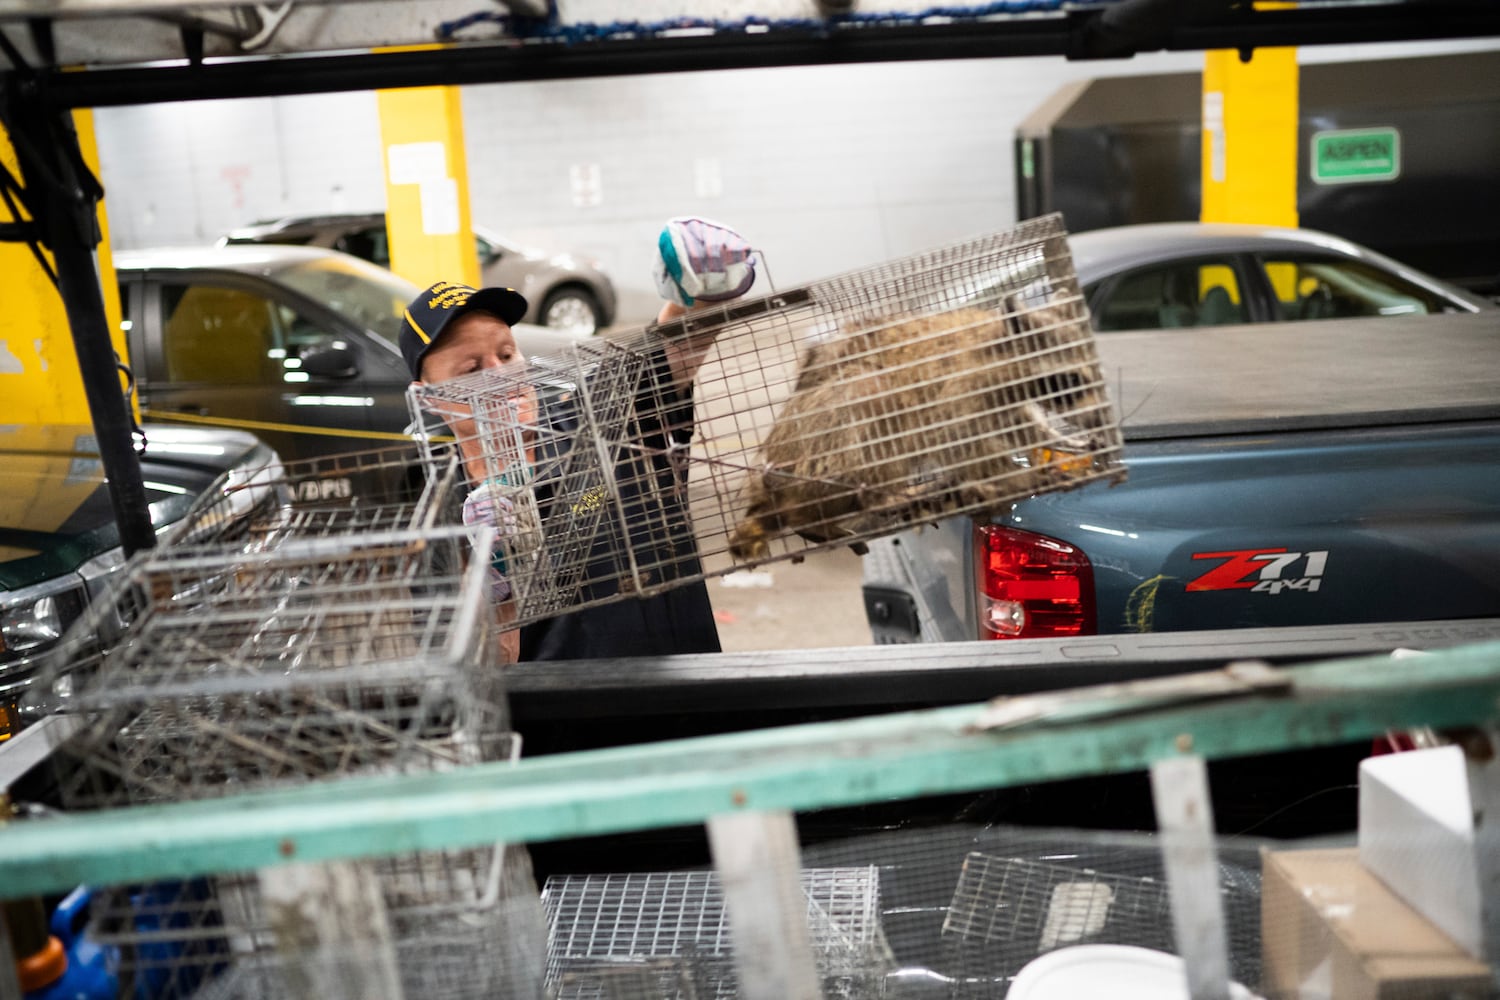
(90, 974)
(181, 959)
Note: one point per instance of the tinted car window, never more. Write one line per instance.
(1326, 288)
(296, 240)
(1183, 294)
(373, 298)
(217, 335)
(367, 244)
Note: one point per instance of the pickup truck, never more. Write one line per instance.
(1287, 474)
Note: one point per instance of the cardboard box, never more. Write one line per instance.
(1330, 930)
(1416, 834)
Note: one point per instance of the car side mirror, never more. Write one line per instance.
(329, 360)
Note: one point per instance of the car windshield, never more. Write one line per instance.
(370, 296)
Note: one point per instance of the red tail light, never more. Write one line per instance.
(1031, 586)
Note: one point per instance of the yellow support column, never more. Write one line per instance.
(39, 378)
(427, 185)
(1250, 137)
(44, 408)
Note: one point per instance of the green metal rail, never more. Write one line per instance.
(1086, 731)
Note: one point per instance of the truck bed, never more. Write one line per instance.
(1283, 376)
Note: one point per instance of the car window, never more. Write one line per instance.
(300, 240)
(1179, 294)
(1328, 288)
(218, 335)
(369, 244)
(370, 297)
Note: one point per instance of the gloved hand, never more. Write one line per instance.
(489, 504)
(698, 260)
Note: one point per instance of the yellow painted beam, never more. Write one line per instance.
(427, 185)
(39, 377)
(44, 408)
(1250, 137)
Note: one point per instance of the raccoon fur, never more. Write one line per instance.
(895, 423)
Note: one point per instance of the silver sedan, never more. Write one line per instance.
(1186, 274)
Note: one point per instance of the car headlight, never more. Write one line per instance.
(34, 619)
(36, 625)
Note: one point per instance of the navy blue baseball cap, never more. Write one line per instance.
(429, 314)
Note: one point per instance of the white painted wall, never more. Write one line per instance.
(824, 168)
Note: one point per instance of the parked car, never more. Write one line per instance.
(59, 541)
(296, 344)
(1186, 274)
(563, 290)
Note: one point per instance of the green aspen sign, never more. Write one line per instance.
(1350, 156)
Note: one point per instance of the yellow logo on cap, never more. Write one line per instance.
(449, 295)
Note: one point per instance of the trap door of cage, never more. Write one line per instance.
(583, 484)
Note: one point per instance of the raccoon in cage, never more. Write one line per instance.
(899, 422)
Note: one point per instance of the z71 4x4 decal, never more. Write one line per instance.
(1267, 571)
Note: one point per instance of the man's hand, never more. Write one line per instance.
(698, 260)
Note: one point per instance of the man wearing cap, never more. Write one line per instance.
(452, 330)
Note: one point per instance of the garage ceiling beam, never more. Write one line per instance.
(1075, 35)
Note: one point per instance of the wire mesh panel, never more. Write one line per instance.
(313, 652)
(388, 489)
(461, 925)
(944, 383)
(1007, 911)
(320, 658)
(666, 934)
(965, 909)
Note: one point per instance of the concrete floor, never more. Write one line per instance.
(784, 605)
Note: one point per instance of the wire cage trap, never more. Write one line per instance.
(666, 935)
(454, 925)
(1007, 911)
(965, 908)
(321, 658)
(944, 383)
(386, 489)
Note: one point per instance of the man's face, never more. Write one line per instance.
(474, 342)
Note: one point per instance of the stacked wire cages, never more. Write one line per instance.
(944, 383)
(286, 634)
(955, 912)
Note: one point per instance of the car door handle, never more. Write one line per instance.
(197, 411)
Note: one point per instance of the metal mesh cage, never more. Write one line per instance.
(318, 650)
(666, 934)
(943, 383)
(459, 924)
(387, 489)
(1007, 911)
(322, 657)
(964, 909)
